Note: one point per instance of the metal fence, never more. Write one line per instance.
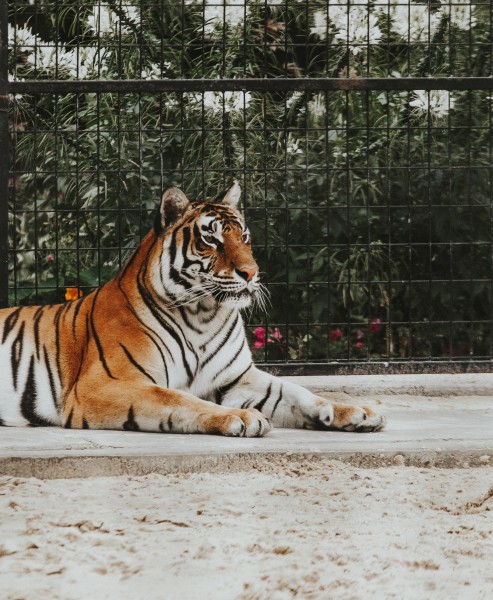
(360, 131)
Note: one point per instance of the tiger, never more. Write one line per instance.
(162, 346)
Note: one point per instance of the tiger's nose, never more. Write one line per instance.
(247, 272)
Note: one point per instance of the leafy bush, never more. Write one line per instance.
(366, 208)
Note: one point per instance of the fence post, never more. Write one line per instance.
(4, 154)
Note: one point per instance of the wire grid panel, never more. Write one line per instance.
(370, 209)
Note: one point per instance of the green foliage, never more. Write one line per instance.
(363, 206)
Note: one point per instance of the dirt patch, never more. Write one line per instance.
(285, 530)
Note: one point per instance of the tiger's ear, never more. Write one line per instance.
(173, 206)
(232, 195)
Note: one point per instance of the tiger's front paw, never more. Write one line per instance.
(361, 419)
(247, 422)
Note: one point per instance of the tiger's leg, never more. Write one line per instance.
(121, 405)
(289, 405)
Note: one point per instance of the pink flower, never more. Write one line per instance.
(374, 325)
(50, 258)
(335, 335)
(274, 336)
(359, 334)
(277, 335)
(359, 345)
(259, 333)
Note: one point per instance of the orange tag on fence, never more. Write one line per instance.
(73, 294)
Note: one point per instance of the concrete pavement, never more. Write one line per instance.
(432, 420)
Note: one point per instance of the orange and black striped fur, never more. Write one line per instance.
(161, 347)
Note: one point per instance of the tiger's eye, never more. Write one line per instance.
(209, 239)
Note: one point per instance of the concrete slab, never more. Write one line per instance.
(462, 384)
(431, 429)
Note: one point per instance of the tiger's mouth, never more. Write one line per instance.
(241, 298)
(232, 295)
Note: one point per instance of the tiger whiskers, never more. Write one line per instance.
(208, 288)
(190, 299)
(261, 297)
(192, 295)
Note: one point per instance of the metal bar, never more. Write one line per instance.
(4, 158)
(252, 85)
(365, 367)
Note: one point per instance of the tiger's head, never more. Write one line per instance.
(207, 253)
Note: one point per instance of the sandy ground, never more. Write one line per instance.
(327, 531)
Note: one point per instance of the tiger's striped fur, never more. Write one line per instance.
(161, 347)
